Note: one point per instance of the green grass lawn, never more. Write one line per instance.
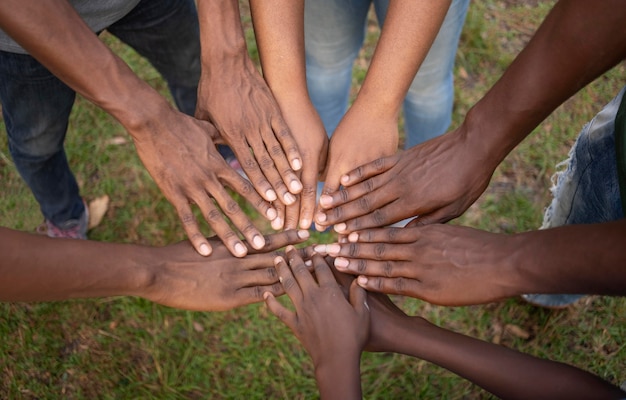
(122, 348)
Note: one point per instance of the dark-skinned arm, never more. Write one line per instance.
(177, 150)
(234, 97)
(38, 268)
(438, 180)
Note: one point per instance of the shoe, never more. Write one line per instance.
(72, 229)
(554, 301)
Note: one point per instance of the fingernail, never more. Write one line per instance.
(271, 214)
(341, 263)
(289, 198)
(277, 260)
(308, 263)
(305, 224)
(258, 241)
(271, 195)
(320, 217)
(326, 200)
(290, 248)
(205, 250)
(295, 186)
(320, 228)
(339, 228)
(361, 280)
(240, 249)
(296, 164)
(353, 237)
(267, 295)
(333, 249)
(345, 179)
(303, 234)
(277, 223)
(320, 248)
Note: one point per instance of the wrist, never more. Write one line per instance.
(339, 377)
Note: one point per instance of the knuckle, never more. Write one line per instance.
(364, 204)
(369, 185)
(276, 150)
(379, 217)
(232, 207)
(379, 164)
(353, 250)
(343, 195)
(266, 162)
(361, 266)
(387, 269)
(393, 234)
(213, 216)
(380, 250)
(272, 274)
(399, 285)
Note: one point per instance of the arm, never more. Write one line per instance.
(454, 265)
(38, 268)
(177, 150)
(233, 95)
(279, 31)
(333, 329)
(505, 373)
(577, 42)
(369, 130)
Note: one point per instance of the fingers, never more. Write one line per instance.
(358, 298)
(368, 205)
(329, 187)
(287, 279)
(380, 217)
(197, 239)
(299, 269)
(400, 286)
(242, 186)
(288, 143)
(253, 171)
(281, 239)
(216, 220)
(322, 271)
(281, 312)
(308, 197)
(369, 170)
(384, 235)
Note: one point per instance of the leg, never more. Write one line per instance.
(167, 33)
(334, 33)
(36, 107)
(428, 103)
(587, 191)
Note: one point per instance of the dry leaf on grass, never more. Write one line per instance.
(97, 208)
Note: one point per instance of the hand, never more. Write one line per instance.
(358, 139)
(435, 181)
(220, 282)
(312, 140)
(181, 157)
(239, 103)
(332, 328)
(442, 264)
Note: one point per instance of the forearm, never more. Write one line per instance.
(279, 31)
(37, 268)
(578, 41)
(54, 34)
(222, 39)
(340, 379)
(586, 259)
(409, 30)
(504, 372)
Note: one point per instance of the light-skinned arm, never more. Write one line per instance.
(38, 268)
(279, 31)
(438, 180)
(455, 265)
(177, 150)
(369, 130)
(234, 97)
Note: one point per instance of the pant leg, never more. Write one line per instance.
(167, 33)
(428, 104)
(36, 108)
(334, 34)
(586, 191)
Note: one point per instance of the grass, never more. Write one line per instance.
(131, 348)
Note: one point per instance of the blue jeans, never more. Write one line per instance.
(586, 190)
(334, 34)
(36, 105)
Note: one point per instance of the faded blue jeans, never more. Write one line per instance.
(334, 33)
(36, 105)
(586, 189)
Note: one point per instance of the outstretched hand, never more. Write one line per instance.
(442, 264)
(435, 181)
(179, 153)
(220, 282)
(239, 103)
(333, 329)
